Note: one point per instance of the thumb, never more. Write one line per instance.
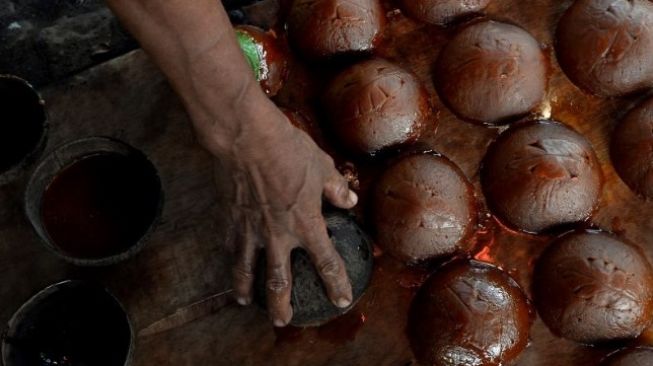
(337, 192)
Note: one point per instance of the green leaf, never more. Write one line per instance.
(252, 51)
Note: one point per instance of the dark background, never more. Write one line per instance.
(44, 41)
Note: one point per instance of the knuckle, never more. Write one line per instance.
(330, 267)
(277, 285)
(339, 186)
(343, 191)
(242, 273)
(277, 281)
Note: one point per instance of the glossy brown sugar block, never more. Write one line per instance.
(375, 105)
(541, 174)
(469, 313)
(605, 46)
(630, 357)
(442, 11)
(591, 287)
(266, 55)
(491, 72)
(322, 28)
(632, 149)
(424, 208)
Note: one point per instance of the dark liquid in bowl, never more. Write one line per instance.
(22, 119)
(77, 325)
(101, 205)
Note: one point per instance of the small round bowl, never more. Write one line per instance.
(23, 125)
(69, 323)
(84, 214)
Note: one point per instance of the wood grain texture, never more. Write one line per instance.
(186, 259)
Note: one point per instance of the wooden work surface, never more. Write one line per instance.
(185, 260)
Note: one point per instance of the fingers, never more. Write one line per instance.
(278, 284)
(336, 190)
(243, 270)
(329, 265)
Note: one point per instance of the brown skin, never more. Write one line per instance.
(306, 124)
(279, 175)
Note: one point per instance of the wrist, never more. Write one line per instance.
(247, 132)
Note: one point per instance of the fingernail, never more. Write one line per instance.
(352, 198)
(279, 323)
(242, 300)
(343, 302)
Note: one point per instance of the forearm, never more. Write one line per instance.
(277, 174)
(194, 45)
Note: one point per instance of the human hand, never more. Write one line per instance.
(277, 184)
(277, 173)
